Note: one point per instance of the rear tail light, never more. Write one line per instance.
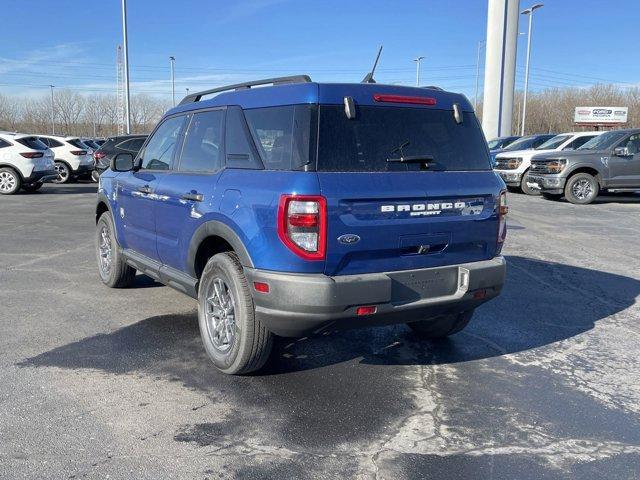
(97, 155)
(380, 97)
(503, 209)
(302, 225)
(32, 154)
(78, 152)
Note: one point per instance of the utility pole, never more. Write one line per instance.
(53, 113)
(475, 101)
(418, 60)
(172, 61)
(529, 11)
(127, 104)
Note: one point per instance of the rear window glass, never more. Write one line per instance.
(33, 143)
(283, 135)
(364, 144)
(77, 143)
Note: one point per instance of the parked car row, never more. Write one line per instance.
(576, 165)
(28, 161)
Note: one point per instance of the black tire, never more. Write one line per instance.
(443, 326)
(63, 172)
(245, 345)
(118, 274)
(10, 181)
(581, 189)
(32, 187)
(551, 196)
(525, 188)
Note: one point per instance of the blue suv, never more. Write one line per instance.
(301, 207)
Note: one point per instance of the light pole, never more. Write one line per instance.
(127, 101)
(172, 61)
(53, 113)
(475, 101)
(418, 60)
(529, 11)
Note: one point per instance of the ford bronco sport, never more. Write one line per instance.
(299, 207)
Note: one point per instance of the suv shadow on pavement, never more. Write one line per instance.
(542, 303)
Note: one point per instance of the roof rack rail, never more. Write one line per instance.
(196, 97)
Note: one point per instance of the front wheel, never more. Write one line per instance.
(114, 271)
(581, 189)
(63, 172)
(443, 326)
(525, 187)
(235, 339)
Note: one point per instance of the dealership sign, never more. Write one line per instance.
(600, 115)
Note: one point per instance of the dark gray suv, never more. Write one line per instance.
(610, 161)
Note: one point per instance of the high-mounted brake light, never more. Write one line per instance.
(78, 152)
(302, 225)
(381, 97)
(32, 154)
(503, 209)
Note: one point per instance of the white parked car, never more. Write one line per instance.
(513, 166)
(71, 156)
(25, 162)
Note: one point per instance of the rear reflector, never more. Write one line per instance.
(367, 310)
(379, 97)
(261, 287)
(32, 154)
(479, 294)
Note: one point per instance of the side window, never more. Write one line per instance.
(4, 144)
(632, 143)
(53, 143)
(539, 141)
(241, 152)
(202, 150)
(45, 141)
(136, 144)
(158, 155)
(578, 142)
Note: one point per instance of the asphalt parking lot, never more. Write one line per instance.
(101, 383)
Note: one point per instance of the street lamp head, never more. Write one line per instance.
(417, 59)
(530, 10)
(172, 58)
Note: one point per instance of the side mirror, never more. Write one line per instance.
(622, 152)
(122, 162)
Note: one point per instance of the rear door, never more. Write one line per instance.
(387, 215)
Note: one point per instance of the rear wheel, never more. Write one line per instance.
(581, 189)
(525, 188)
(114, 271)
(235, 339)
(32, 187)
(95, 176)
(443, 326)
(63, 172)
(9, 181)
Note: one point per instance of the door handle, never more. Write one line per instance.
(193, 196)
(146, 189)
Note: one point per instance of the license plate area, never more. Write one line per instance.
(411, 286)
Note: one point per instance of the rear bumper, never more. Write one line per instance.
(40, 176)
(300, 304)
(83, 168)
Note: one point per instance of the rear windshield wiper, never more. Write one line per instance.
(413, 159)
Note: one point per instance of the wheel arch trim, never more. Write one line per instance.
(214, 228)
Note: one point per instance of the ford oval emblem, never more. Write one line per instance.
(349, 239)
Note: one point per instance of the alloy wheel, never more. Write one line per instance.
(8, 182)
(105, 250)
(582, 189)
(62, 172)
(220, 316)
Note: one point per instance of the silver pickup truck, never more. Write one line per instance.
(610, 161)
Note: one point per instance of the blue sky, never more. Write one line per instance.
(72, 43)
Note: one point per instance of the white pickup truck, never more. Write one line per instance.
(514, 166)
